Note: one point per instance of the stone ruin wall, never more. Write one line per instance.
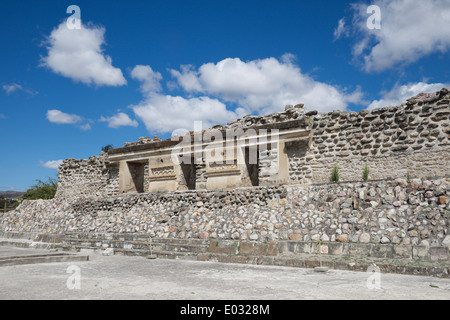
(95, 176)
(395, 142)
(387, 212)
(412, 139)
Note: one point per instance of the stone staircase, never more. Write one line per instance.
(415, 260)
(126, 244)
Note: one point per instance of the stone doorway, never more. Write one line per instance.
(252, 164)
(131, 177)
(189, 173)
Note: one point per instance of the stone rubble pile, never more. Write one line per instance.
(142, 140)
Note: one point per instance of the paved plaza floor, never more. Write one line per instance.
(125, 277)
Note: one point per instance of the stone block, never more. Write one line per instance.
(203, 257)
(296, 237)
(272, 249)
(364, 237)
(281, 247)
(443, 199)
(304, 247)
(337, 248)
(439, 253)
(342, 238)
(291, 246)
(108, 252)
(360, 249)
(402, 251)
(259, 249)
(246, 248)
(383, 251)
(420, 252)
(239, 259)
(446, 241)
(227, 247)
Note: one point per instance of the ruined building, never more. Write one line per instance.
(259, 190)
(290, 147)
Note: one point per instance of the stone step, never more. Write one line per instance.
(177, 255)
(345, 256)
(159, 254)
(194, 248)
(177, 246)
(42, 258)
(21, 243)
(38, 253)
(409, 267)
(141, 238)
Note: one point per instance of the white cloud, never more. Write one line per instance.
(77, 54)
(165, 113)
(187, 78)
(261, 86)
(86, 127)
(2, 116)
(341, 29)
(59, 117)
(264, 85)
(410, 30)
(399, 93)
(119, 120)
(53, 164)
(13, 87)
(10, 88)
(149, 78)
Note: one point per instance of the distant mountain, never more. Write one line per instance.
(11, 194)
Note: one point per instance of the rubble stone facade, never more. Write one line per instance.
(291, 147)
(270, 181)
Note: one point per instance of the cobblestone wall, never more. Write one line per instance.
(394, 142)
(393, 211)
(95, 176)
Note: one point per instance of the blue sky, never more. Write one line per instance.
(144, 68)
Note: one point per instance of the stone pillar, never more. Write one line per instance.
(164, 175)
(283, 163)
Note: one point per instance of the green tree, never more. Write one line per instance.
(42, 190)
(107, 147)
(3, 202)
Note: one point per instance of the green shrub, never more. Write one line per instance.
(42, 190)
(366, 173)
(335, 174)
(107, 147)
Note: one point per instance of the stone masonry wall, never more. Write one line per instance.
(391, 211)
(95, 176)
(395, 141)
